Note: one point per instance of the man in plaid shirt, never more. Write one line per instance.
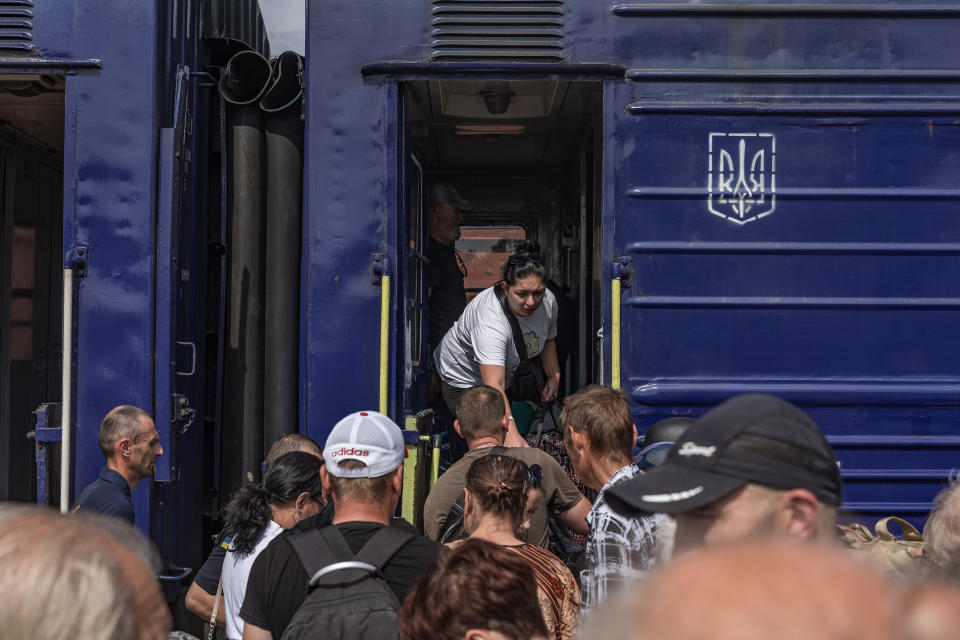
(599, 435)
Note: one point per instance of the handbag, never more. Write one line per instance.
(528, 379)
(883, 549)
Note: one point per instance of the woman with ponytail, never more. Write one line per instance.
(480, 347)
(496, 496)
(255, 515)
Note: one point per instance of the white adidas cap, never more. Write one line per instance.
(367, 436)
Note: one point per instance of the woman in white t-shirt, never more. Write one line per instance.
(479, 348)
(255, 515)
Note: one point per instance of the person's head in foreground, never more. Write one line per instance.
(754, 465)
(942, 533)
(77, 576)
(479, 591)
(775, 590)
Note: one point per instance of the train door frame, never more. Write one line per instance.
(587, 159)
(25, 163)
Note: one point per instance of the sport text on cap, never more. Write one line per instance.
(369, 437)
(753, 438)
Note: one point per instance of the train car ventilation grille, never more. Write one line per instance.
(16, 24)
(487, 30)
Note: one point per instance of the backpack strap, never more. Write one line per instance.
(319, 548)
(518, 342)
(384, 545)
(311, 550)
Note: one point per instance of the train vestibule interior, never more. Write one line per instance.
(31, 255)
(527, 154)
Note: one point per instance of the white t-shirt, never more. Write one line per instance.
(482, 335)
(236, 571)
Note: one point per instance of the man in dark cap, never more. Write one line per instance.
(754, 465)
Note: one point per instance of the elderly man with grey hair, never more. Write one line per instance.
(130, 443)
(942, 533)
(80, 576)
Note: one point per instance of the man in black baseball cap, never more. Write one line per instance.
(753, 465)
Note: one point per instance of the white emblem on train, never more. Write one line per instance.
(741, 183)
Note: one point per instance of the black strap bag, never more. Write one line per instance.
(528, 379)
(348, 597)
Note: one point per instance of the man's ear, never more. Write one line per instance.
(456, 427)
(123, 447)
(478, 634)
(325, 480)
(578, 440)
(636, 434)
(801, 511)
(397, 479)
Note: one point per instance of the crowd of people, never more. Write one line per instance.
(724, 526)
(731, 533)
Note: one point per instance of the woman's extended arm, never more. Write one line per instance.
(494, 375)
(551, 367)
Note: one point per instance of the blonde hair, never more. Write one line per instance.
(62, 578)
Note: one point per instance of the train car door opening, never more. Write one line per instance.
(31, 258)
(527, 154)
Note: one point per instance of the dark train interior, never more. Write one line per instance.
(31, 276)
(528, 154)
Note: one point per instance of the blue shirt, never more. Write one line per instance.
(108, 495)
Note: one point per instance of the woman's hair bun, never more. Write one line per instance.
(527, 247)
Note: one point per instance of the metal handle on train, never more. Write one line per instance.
(340, 566)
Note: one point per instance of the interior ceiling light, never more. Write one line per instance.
(497, 95)
(490, 129)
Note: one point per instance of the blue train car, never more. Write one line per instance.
(735, 196)
(740, 196)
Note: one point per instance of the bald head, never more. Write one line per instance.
(70, 577)
(767, 589)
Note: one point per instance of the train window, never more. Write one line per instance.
(483, 250)
(415, 262)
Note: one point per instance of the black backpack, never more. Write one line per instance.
(347, 596)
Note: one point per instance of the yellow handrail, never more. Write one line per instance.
(615, 334)
(384, 341)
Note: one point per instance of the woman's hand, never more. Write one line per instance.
(550, 388)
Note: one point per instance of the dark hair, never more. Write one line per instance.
(292, 442)
(603, 415)
(248, 512)
(480, 412)
(478, 585)
(527, 260)
(498, 484)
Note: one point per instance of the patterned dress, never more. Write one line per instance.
(557, 590)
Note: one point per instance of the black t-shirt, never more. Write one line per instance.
(278, 582)
(208, 577)
(447, 296)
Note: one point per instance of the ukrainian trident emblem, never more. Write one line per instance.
(741, 183)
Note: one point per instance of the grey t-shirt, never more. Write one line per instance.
(482, 335)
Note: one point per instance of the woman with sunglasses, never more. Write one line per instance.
(255, 515)
(480, 347)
